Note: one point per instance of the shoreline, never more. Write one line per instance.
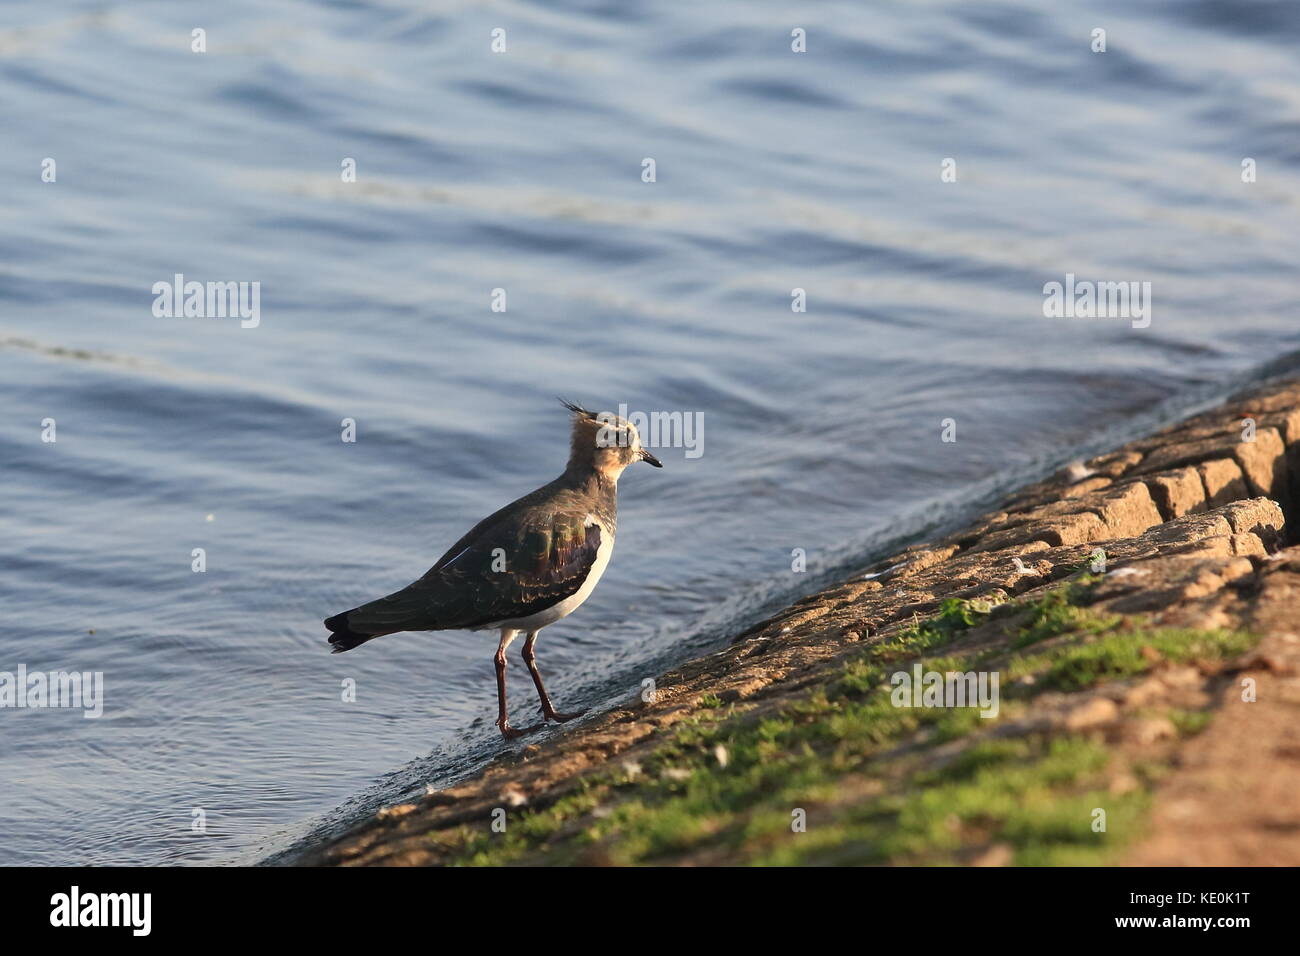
(1118, 678)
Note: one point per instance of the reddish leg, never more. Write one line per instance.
(548, 709)
(503, 722)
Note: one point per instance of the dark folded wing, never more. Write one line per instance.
(508, 570)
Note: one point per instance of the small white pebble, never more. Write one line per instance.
(1022, 568)
(677, 773)
(880, 574)
(721, 753)
(1128, 572)
(1077, 471)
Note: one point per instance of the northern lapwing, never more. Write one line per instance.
(522, 568)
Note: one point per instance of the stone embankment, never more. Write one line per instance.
(1141, 612)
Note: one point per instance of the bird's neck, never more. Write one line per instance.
(596, 492)
(584, 477)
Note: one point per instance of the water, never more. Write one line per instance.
(522, 171)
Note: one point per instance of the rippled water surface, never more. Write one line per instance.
(522, 171)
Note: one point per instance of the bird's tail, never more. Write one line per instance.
(342, 637)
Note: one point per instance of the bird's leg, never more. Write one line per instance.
(503, 722)
(548, 709)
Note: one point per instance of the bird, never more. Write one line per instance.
(522, 568)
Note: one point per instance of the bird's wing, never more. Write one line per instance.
(491, 521)
(510, 569)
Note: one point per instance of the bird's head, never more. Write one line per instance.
(605, 443)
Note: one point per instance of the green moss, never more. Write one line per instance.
(867, 774)
(1121, 654)
(483, 846)
(1037, 797)
(1189, 722)
(865, 674)
(1026, 796)
(857, 678)
(1056, 614)
(953, 617)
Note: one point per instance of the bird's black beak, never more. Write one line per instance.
(647, 457)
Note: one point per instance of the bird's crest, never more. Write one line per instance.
(577, 410)
(601, 441)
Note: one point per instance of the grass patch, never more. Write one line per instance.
(1189, 722)
(953, 617)
(1056, 614)
(865, 774)
(1120, 654)
(864, 674)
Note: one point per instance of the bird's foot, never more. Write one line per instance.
(510, 733)
(558, 717)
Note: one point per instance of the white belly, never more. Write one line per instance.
(535, 622)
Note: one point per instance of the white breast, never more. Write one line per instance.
(570, 604)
